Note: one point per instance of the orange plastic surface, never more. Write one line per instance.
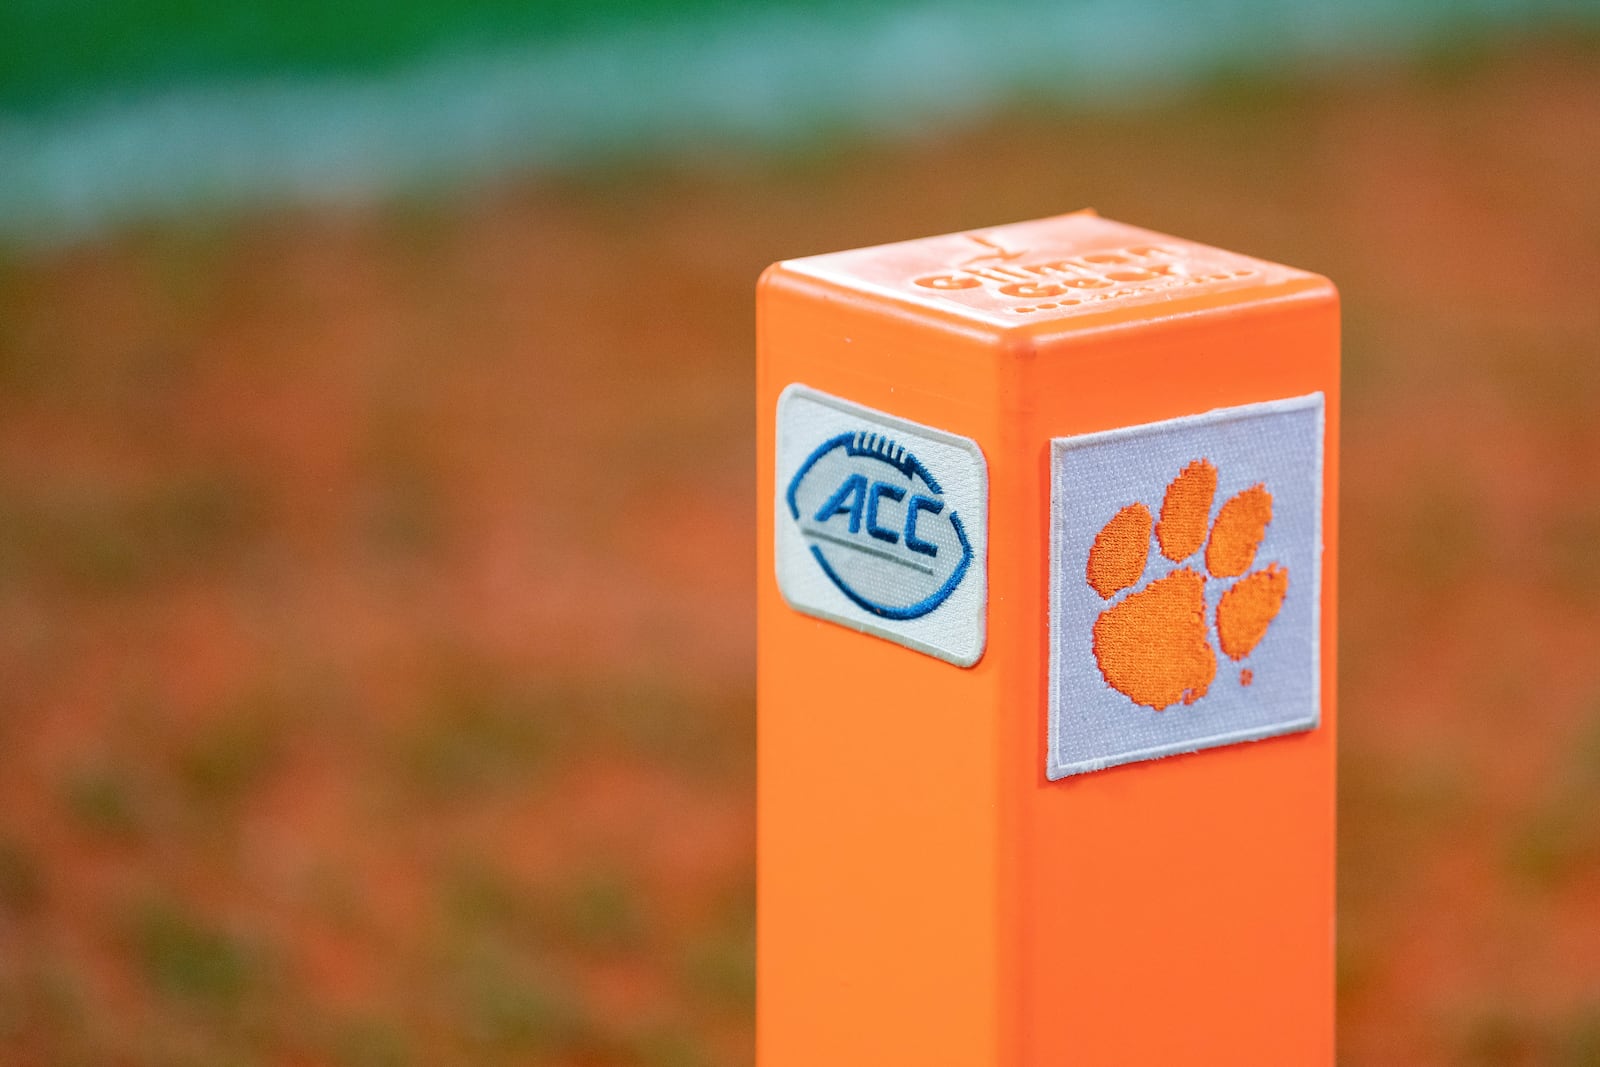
(926, 895)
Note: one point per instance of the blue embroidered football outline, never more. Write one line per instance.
(878, 525)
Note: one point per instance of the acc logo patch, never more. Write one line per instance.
(1185, 584)
(882, 524)
(866, 480)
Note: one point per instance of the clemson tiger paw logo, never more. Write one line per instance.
(1154, 645)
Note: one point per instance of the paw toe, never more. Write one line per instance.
(1240, 527)
(1120, 550)
(1248, 608)
(1185, 509)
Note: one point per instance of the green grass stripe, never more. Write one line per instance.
(124, 111)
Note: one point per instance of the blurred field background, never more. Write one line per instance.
(376, 651)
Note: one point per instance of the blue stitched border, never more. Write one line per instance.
(861, 443)
(921, 607)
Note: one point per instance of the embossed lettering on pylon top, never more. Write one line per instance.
(1070, 265)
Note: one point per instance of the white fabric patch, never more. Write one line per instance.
(1161, 655)
(882, 525)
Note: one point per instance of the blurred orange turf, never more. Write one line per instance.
(376, 585)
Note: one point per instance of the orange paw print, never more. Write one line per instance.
(1153, 646)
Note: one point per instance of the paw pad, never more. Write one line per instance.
(1154, 645)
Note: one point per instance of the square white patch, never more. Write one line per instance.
(1193, 619)
(882, 524)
